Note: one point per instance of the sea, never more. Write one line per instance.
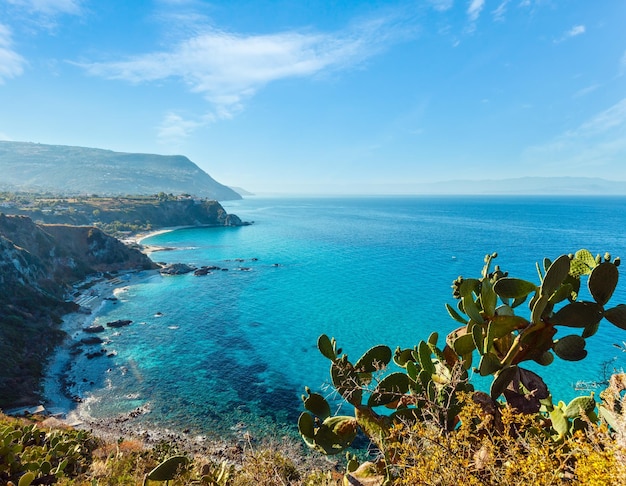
(235, 349)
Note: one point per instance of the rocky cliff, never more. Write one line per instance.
(37, 265)
(116, 215)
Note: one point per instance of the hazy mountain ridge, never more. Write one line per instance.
(61, 169)
(534, 186)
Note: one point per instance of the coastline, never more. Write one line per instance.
(64, 392)
(61, 395)
(69, 378)
(65, 389)
(149, 249)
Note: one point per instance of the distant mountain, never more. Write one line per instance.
(241, 191)
(520, 186)
(33, 167)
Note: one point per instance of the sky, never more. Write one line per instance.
(312, 97)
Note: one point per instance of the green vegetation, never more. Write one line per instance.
(432, 392)
(118, 216)
(33, 453)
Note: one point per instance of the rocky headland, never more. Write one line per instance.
(47, 269)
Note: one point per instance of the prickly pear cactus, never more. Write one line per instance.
(430, 383)
(487, 308)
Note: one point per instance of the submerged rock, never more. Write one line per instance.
(93, 329)
(91, 340)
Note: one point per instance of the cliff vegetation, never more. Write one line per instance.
(119, 216)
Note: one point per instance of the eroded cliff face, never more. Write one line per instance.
(38, 264)
(120, 215)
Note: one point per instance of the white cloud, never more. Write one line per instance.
(441, 5)
(573, 32)
(612, 118)
(576, 30)
(500, 11)
(11, 63)
(474, 9)
(174, 129)
(49, 7)
(227, 69)
(586, 91)
(598, 143)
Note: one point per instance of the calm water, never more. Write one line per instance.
(238, 346)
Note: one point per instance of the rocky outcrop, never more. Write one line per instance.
(37, 265)
(120, 323)
(176, 269)
(120, 215)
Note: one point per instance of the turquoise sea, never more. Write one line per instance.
(235, 347)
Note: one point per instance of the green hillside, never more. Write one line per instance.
(69, 170)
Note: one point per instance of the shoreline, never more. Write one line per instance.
(67, 381)
(65, 391)
(60, 395)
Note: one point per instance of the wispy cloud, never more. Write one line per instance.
(441, 5)
(174, 129)
(586, 91)
(473, 12)
(573, 32)
(49, 7)
(597, 144)
(474, 9)
(500, 11)
(228, 68)
(11, 63)
(576, 30)
(41, 14)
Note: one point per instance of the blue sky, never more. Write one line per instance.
(325, 96)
